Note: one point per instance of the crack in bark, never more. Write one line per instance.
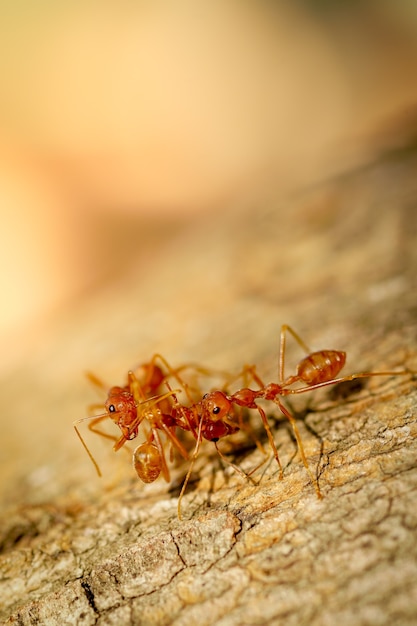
(89, 595)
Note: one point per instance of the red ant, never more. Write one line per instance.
(213, 417)
(121, 406)
(140, 402)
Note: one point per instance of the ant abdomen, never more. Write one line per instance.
(147, 462)
(319, 367)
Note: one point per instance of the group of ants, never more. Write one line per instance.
(148, 406)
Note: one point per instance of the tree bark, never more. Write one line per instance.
(338, 263)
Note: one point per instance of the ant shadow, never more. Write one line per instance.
(343, 391)
(300, 414)
(340, 393)
(240, 451)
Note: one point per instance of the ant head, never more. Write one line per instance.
(217, 405)
(121, 408)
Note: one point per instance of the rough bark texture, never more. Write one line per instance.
(338, 262)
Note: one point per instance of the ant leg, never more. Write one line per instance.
(164, 466)
(242, 377)
(343, 379)
(282, 348)
(226, 460)
(94, 462)
(118, 442)
(135, 388)
(191, 389)
(246, 428)
(270, 438)
(176, 443)
(247, 374)
(95, 420)
(250, 370)
(175, 374)
(300, 445)
(97, 382)
(238, 469)
(97, 431)
(190, 469)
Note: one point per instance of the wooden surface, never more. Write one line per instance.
(338, 262)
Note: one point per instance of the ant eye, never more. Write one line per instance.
(216, 410)
(205, 396)
(112, 408)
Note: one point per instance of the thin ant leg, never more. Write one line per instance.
(135, 387)
(239, 470)
(246, 428)
(94, 462)
(164, 466)
(282, 348)
(95, 420)
(241, 376)
(270, 439)
(175, 441)
(236, 468)
(97, 382)
(175, 374)
(251, 370)
(190, 469)
(343, 379)
(297, 436)
(120, 443)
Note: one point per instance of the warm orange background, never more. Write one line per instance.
(120, 121)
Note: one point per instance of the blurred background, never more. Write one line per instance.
(122, 123)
